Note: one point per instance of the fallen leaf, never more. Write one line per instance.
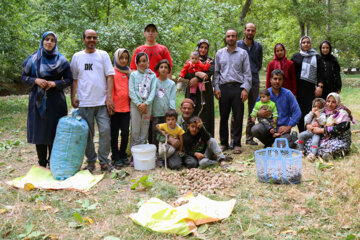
(3, 211)
(250, 232)
(88, 220)
(45, 208)
(203, 228)
(28, 187)
(288, 232)
(74, 225)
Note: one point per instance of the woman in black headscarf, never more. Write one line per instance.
(205, 100)
(332, 78)
(309, 77)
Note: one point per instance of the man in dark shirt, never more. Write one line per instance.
(255, 52)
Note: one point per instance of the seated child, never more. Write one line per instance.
(193, 66)
(173, 132)
(316, 118)
(199, 145)
(266, 103)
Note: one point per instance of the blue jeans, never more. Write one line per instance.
(101, 115)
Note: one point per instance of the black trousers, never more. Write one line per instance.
(119, 121)
(231, 101)
(42, 151)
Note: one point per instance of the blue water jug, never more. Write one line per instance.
(69, 146)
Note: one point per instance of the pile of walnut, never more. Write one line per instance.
(198, 180)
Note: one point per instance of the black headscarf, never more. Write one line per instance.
(198, 46)
(328, 56)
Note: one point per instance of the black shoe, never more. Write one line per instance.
(125, 161)
(118, 164)
(160, 163)
(294, 138)
(90, 167)
(251, 142)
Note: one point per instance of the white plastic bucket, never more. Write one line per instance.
(144, 156)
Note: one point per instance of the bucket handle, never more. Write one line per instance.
(279, 140)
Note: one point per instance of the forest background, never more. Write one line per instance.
(120, 23)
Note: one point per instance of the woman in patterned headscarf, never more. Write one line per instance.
(336, 133)
(309, 78)
(47, 72)
(205, 107)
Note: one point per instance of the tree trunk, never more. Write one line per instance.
(328, 23)
(245, 9)
(301, 22)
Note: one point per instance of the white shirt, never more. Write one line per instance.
(91, 70)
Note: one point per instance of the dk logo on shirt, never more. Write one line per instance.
(88, 66)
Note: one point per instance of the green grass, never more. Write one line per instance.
(324, 206)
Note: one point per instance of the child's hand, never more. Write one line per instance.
(181, 153)
(163, 133)
(314, 110)
(253, 119)
(199, 123)
(317, 113)
(275, 121)
(180, 79)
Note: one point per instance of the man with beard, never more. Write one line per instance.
(93, 83)
(255, 52)
(232, 83)
(288, 109)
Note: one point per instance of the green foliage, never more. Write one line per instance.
(120, 23)
(145, 182)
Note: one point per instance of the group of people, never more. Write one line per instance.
(144, 95)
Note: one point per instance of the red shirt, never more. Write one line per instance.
(192, 68)
(120, 93)
(155, 53)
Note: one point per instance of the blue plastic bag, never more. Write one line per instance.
(69, 146)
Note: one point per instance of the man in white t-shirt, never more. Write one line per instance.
(93, 82)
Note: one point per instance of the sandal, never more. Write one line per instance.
(237, 150)
(223, 148)
(90, 167)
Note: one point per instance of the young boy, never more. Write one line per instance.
(173, 132)
(193, 66)
(199, 144)
(317, 118)
(266, 103)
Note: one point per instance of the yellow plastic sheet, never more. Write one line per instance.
(42, 178)
(159, 216)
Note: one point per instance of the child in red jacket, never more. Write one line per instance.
(193, 66)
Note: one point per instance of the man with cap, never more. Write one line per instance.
(156, 52)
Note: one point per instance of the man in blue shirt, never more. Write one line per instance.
(289, 112)
(255, 52)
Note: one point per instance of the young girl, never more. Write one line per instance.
(120, 120)
(281, 62)
(142, 86)
(165, 95)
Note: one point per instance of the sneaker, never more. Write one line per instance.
(251, 142)
(90, 166)
(105, 167)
